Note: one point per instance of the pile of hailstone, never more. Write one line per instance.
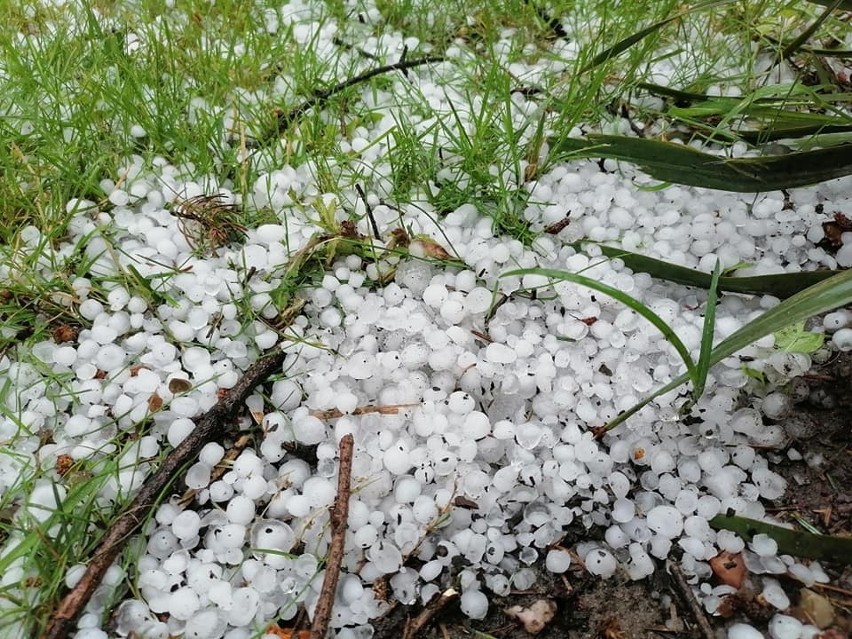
(496, 409)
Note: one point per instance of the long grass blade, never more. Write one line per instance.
(703, 365)
(790, 542)
(622, 297)
(829, 294)
(623, 45)
(684, 165)
(780, 285)
(805, 35)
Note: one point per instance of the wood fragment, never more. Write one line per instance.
(334, 413)
(435, 605)
(210, 426)
(688, 598)
(339, 522)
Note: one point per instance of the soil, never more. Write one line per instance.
(655, 608)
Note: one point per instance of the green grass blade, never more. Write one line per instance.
(684, 165)
(790, 542)
(622, 297)
(846, 5)
(780, 285)
(623, 45)
(805, 35)
(703, 365)
(829, 294)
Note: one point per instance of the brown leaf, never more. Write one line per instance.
(815, 608)
(155, 403)
(64, 333)
(729, 568)
(179, 385)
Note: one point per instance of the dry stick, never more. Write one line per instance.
(691, 602)
(208, 427)
(435, 605)
(322, 95)
(339, 522)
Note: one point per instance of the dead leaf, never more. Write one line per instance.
(287, 633)
(179, 385)
(155, 403)
(536, 617)
(729, 568)
(815, 608)
(427, 247)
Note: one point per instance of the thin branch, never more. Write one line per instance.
(321, 96)
(208, 427)
(414, 626)
(688, 597)
(339, 521)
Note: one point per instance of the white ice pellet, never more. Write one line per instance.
(474, 604)
(744, 631)
(240, 510)
(601, 563)
(500, 353)
(205, 624)
(842, 339)
(186, 525)
(774, 594)
(179, 429)
(183, 603)
(785, 627)
(557, 560)
(666, 521)
(198, 475)
(763, 545)
(397, 458)
(309, 430)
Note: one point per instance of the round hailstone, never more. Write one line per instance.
(771, 485)
(557, 560)
(744, 631)
(186, 525)
(397, 459)
(476, 425)
(245, 602)
(478, 300)
(178, 430)
(500, 353)
(204, 625)
(600, 563)
(474, 604)
(110, 357)
(240, 510)
(385, 557)
(183, 603)
(309, 430)
(774, 594)
(666, 521)
(623, 510)
(764, 546)
(784, 627)
(842, 339)
(198, 476)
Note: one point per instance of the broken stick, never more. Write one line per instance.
(208, 427)
(339, 523)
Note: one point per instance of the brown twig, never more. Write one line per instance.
(320, 96)
(220, 469)
(691, 602)
(334, 413)
(435, 605)
(339, 520)
(208, 427)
